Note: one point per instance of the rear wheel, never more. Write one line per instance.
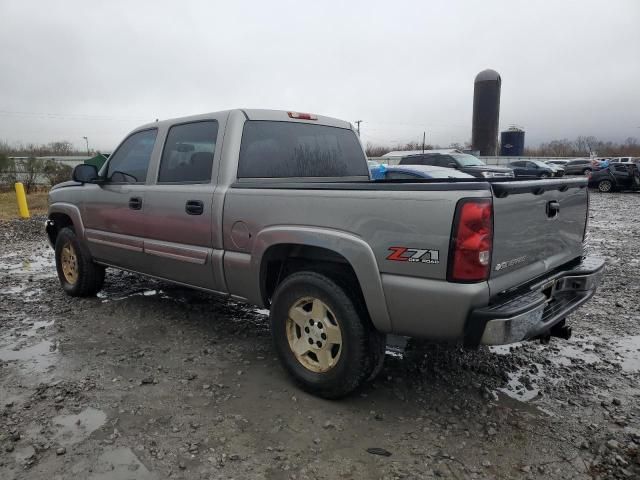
(324, 340)
(605, 186)
(78, 275)
(587, 171)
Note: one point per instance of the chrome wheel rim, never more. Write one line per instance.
(69, 262)
(314, 335)
(605, 186)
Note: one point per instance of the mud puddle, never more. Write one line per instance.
(120, 464)
(72, 429)
(41, 264)
(628, 353)
(37, 358)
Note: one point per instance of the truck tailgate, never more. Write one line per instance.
(538, 226)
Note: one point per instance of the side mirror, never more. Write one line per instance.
(452, 165)
(85, 174)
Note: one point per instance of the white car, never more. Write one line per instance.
(635, 160)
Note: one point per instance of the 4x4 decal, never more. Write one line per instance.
(405, 254)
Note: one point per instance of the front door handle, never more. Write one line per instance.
(135, 203)
(194, 207)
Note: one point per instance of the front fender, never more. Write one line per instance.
(72, 212)
(355, 250)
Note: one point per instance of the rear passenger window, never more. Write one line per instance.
(285, 149)
(188, 153)
(129, 164)
(442, 161)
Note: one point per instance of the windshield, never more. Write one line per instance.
(539, 163)
(466, 160)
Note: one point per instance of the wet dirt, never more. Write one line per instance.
(150, 380)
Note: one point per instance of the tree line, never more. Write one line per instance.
(58, 148)
(582, 146)
(31, 170)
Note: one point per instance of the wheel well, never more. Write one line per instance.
(280, 261)
(60, 221)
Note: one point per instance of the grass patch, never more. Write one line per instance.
(37, 202)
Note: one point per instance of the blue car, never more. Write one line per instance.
(413, 172)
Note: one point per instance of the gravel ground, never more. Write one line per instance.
(153, 381)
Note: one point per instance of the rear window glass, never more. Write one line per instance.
(188, 153)
(286, 149)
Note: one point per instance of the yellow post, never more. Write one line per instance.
(22, 200)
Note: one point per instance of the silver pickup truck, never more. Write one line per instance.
(278, 209)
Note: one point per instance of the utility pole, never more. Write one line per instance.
(424, 138)
(358, 122)
(87, 140)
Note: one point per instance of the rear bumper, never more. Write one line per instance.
(531, 312)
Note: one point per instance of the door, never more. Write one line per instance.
(622, 175)
(113, 211)
(179, 207)
(519, 168)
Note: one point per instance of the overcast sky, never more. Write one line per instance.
(70, 69)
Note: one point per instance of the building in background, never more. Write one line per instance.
(486, 112)
(512, 142)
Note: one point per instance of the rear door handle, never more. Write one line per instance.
(553, 208)
(135, 203)
(194, 207)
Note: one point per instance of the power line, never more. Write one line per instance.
(72, 116)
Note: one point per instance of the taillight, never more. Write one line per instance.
(302, 116)
(472, 241)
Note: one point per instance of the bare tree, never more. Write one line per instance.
(59, 148)
(28, 171)
(7, 171)
(56, 172)
(373, 150)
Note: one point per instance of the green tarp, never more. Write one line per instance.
(97, 161)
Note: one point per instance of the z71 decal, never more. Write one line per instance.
(404, 254)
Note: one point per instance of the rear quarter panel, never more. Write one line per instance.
(379, 219)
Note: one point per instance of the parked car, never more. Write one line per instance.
(460, 161)
(635, 160)
(415, 172)
(277, 209)
(618, 176)
(558, 171)
(532, 169)
(577, 166)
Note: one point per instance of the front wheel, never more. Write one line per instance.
(544, 175)
(78, 275)
(323, 338)
(587, 171)
(605, 186)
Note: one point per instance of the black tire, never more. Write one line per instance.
(587, 171)
(605, 186)
(89, 277)
(544, 175)
(362, 347)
